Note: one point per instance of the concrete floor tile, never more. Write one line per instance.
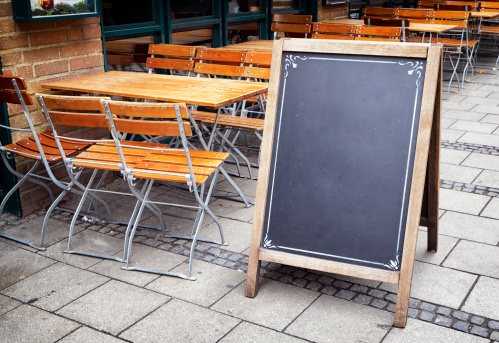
(247, 332)
(7, 304)
(455, 173)
(273, 298)
(462, 202)
(451, 135)
(492, 209)
(453, 156)
(477, 258)
(224, 208)
(237, 234)
(456, 106)
(55, 286)
(87, 335)
(490, 118)
(86, 240)
(473, 126)
(475, 92)
(479, 138)
(471, 228)
(486, 109)
(330, 319)
(142, 256)
(488, 178)
(113, 307)
(484, 298)
(445, 123)
(445, 244)
(29, 324)
(482, 161)
(475, 100)
(17, 264)
(212, 283)
(418, 331)
(490, 87)
(437, 284)
(180, 321)
(462, 114)
(247, 186)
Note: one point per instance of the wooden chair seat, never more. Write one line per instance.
(209, 118)
(47, 138)
(28, 152)
(182, 160)
(146, 170)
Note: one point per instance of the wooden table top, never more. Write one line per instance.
(214, 93)
(484, 14)
(257, 45)
(419, 27)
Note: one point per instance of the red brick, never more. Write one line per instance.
(51, 68)
(40, 55)
(36, 26)
(75, 33)
(92, 32)
(91, 20)
(6, 8)
(46, 37)
(15, 109)
(68, 50)
(7, 24)
(92, 71)
(25, 71)
(89, 48)
(11, 58)
(14, 41)
(85, 62)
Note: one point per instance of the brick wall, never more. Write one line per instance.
(41, 52)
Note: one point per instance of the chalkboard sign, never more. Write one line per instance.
(343, 167)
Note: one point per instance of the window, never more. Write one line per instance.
(193, 8)
(243, 32)
(125, 12)
(243, 6)
(285, 4)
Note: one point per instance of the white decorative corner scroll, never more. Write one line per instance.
(394, 264)
(415, 68)
(267, 243)
(292, 61)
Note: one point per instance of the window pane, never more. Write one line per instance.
(279, 4)
(242, 6)
(123, 12)
(191, 8)
(194, 37)
(243, 32)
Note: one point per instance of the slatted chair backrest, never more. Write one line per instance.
(411, 14)
(444, 7)
(472, 5)
(119, 53)
(392, 22)
(489, 6)
(428, 3)
(258, 65)
(291, 25)
(378, 33)
(449, 15)
(171, 57)
(378, 12)
(333, 31)
(8, 92)
(218, 62)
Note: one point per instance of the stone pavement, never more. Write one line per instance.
(54, 297)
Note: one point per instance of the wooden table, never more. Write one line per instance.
(484, 14)
(214, 93)
(262, 45)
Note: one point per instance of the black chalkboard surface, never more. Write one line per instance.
(343, 154)
(351, 135)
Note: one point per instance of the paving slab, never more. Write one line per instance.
(461, 114)
(29, 324)
(17, 264)
(468, 227)
(453, 156)
(113, 307)
(473, 126)
(484, 298)
(247, 186)
(450, 105)
(142, 256)
(475, 92)
(451, 135)
(488, 178)
(477, 258)
(330, 319)
(87, 335)
(87, 240)
(417, 331)
(7, 304)
(490, 118)
(455, 173)
(237, 234)
(276, 305)
(485, 109)
(180, 321)
(462, 202)
(479, 138)
(475, 100)
(483, 161)
(445, 245)
(224, 208)
(55, 286)
(437, 284)
(445, 123)
(213, 282)
(492, 209)
(248, 332)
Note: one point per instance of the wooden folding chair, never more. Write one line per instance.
(291, 25)
(378, 12)
(119, 54)
(487, 30)
(177, 59)
(217, 62)
(379, 33)
(192, 168)
(333, 31)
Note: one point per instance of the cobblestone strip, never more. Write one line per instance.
(315, 281)
(469, 188)
(476, 148)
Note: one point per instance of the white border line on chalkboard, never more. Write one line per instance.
(268, 243)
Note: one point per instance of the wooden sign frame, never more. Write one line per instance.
(426, 166)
